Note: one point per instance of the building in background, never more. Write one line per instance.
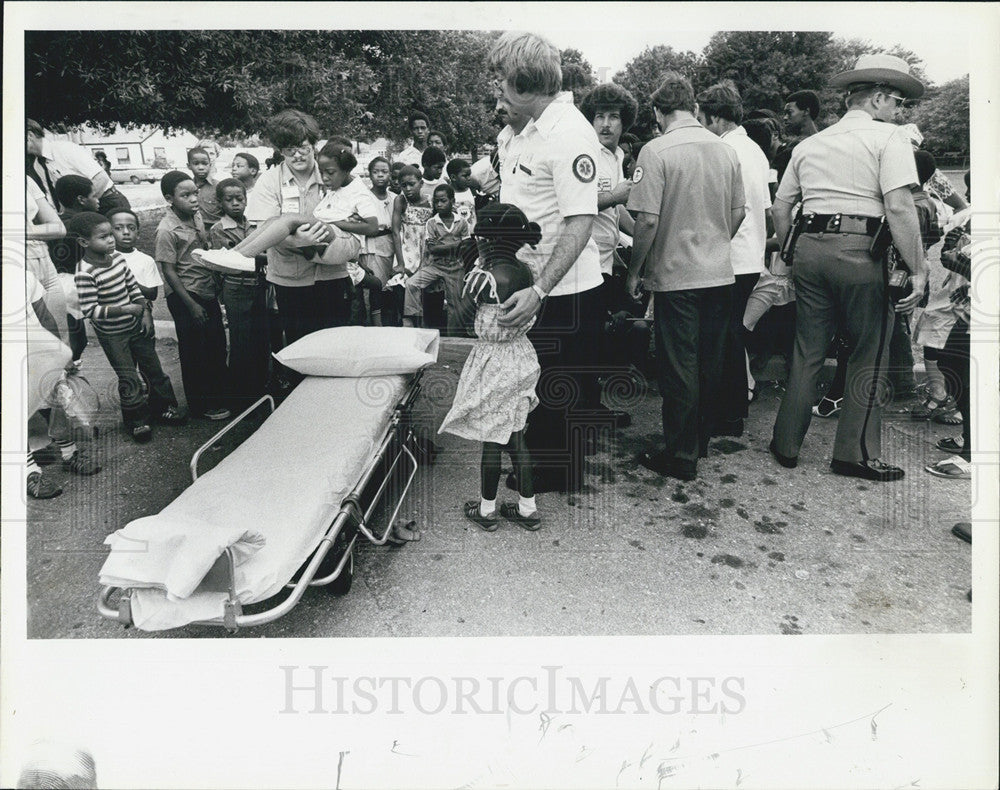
(142, 146)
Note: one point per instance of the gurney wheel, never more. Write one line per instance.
(342, 584)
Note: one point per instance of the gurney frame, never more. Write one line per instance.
(354, 517)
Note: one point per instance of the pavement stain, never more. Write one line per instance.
(698, 510)
(800, 506)
(768, 481)
(637, 544)
(728, 559)
(790, 625)
(679, 495)
(727, 446)
(728, 479)
(727, 502)
(777, 555)
(767, 527)
(696, 531)
(742, 513)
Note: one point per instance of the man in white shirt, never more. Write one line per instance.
(720, 110)
(549, 171)
(50, 159)
(611, 110)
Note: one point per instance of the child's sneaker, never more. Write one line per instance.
(217, 414)
(172, 415)
(81, 463)
(226, 260)
(142, 433)
(40, 487)
(512, 513)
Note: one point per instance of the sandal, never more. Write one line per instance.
(402, 534)
(488, 523)
(951, 444)
(827, 407)
(40, 487)
(956, 468)
(947, 413)
(929, 407)
(510, 512)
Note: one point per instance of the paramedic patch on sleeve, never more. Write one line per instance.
(637, 175)
(584, 169)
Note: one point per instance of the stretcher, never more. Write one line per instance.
(279, 514)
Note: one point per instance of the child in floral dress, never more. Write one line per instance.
(496, 390)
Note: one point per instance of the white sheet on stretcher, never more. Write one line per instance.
(272, 498)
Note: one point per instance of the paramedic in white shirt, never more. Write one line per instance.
(549, 171)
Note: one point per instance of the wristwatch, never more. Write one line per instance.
(541, 294)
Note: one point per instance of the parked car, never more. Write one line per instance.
(136, 175)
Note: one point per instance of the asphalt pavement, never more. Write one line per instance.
(747, 548)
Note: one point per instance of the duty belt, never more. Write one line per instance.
(840, 223)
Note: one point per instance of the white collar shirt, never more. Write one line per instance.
(606, 233)
(747, 247)
(550, 173)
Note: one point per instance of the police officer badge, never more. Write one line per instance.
(637, 175)
(583, 168)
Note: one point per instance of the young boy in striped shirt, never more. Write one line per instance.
(123, 322)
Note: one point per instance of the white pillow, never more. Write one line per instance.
(356, 351)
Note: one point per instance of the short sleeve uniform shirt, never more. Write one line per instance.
(550, 172)
(276, 192)
(848, 167)
(690, 179)
(606, 234)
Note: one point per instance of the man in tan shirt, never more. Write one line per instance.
(848, 177)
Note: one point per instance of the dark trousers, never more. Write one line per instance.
(691, 340)
(392, 305)
(298, 310)
(202, 351)
(564, 336)
(334, 302)
(246, 313)
(77, 335)
(125, 352)
(837, 285)
(734, 370)
(954, 361)
(899, 369)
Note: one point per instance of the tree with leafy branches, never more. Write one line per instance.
(642, 76)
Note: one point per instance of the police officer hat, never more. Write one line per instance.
(881, 70)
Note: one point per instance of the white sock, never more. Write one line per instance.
(526, 505)
(67, 450)
(487, 507)
(32, 466)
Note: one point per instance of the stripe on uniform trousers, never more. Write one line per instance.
(873, 391)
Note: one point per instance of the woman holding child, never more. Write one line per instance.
(295, 186)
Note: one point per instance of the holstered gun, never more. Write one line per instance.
(788, 248)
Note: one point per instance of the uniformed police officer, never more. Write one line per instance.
(549, 171)
(848, 177)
